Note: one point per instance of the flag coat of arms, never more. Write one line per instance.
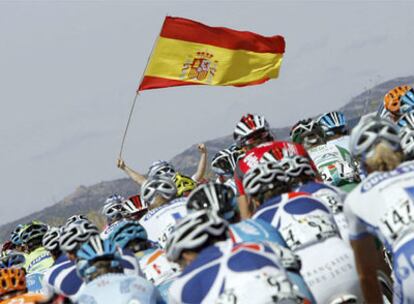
(191, 53)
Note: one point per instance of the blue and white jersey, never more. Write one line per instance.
(159, 222)
(383, 205)
(227, 267)
(255, 230)
(109, 229)
(334, 198)
(301, 219)
(63, 277)
(114, 288)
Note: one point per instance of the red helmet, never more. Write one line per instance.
(251, 126)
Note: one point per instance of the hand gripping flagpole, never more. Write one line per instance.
(136, 97)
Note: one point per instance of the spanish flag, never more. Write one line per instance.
(191, 53)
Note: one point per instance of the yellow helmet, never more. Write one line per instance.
(183, 184)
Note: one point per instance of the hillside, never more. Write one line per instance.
(88, 200)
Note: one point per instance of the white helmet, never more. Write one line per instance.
(263, 177)
(76, 234)
(112, 207)
(370, 131)
(161, 167)
(158, 185)
(193, 231)
(407, 141)
(295, 166)
(50, 240)
(225, 161)
(407, 120)
(74, 218)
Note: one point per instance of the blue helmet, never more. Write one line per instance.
(333, 123)
(407, 120)
(126, 232)
(407, 101)
(93, 251)
(13, 259)
(15, 235)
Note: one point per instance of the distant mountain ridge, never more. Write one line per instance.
(88, 200)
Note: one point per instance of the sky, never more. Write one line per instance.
(69, 71)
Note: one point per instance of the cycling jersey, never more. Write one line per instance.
(159, 222)
(257, 230)
(333, 197)
(157, 269)
(309, 229)
(28, 298)
(383, 206)
(38, 261)
(109, 229)
(65, 280)
(334, 163)
(49, 280)
(252, 158)
(223, 267)
(115, 288)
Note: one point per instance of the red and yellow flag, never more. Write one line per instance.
(191, 53)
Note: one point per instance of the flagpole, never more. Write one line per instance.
(136, 95)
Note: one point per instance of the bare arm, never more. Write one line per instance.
(367, 263)
(137, 177)
(202, 163)
(244, 209)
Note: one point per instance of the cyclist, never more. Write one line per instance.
(333, 162)
(15, 238)
(159, 193)
(334, 126)
(224, 163)
(394, 105)
(131, 236)
(218, 198)
(213, 266)
(162, 166)
(112, 210)
(100, 265)
(309, 229)
(133, 208)
(13, 287)
(252, 134)
(381, 206)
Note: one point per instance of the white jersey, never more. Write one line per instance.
(118, 289)
(383, 205)
(334, 162)
(159, 222)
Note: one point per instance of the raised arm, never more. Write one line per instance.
(136, 176)
(202, 163)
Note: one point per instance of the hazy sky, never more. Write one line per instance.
(69, 70)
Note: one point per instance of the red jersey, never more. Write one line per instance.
(252, 158)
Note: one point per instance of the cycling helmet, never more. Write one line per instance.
(75, 234)
(213, 196)
(12, 280)
(34, 231)
(94, 250)
(392, 98)
(407, 101)
(265, 176)
(15, 235)
(193, 231)
(161, 167)
(407, 141)
(6, 247)
(333, 123)
(225, 161)
(74, 218)
(13, 259)
(133, 205)
(407, 120)
(51, 239)
(127, 232)
(250, 126)
(307, 131)
(183, 184)
(295, 166)
(158, 185)
(113, 207)
(370, 131)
